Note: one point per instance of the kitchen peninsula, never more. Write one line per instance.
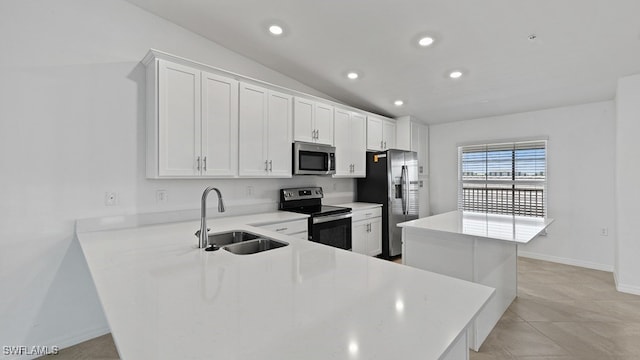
(476, 247)
(166, 299)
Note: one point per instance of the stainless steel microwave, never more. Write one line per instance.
(313, 159)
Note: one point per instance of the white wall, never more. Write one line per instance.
(71, 129)
(581, 151)
(627, 172)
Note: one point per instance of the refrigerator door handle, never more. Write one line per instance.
(404, 187)
(407, 189)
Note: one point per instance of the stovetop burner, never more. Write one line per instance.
(320, 210)
(308, 201)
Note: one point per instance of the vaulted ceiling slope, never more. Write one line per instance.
(581, 48)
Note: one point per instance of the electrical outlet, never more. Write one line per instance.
(110, 199)
(162, 196)
(604, 231)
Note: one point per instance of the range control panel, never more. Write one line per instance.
(301, 193)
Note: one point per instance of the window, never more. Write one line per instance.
(505, 178)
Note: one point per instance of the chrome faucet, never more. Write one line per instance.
(203, 234)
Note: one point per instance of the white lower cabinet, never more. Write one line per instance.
(295, 228)
(366, 231)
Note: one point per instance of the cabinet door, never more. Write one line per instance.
(374, 237)
(178, 120)
(389, 134)
(253, 131)
(303, 120)
(358, 144)
(219, 125)
(324, 123)
(359, 232)
(423, 155)
(279, 134)
(342, 143)
(374, 133)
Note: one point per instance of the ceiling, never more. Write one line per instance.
(582, 47)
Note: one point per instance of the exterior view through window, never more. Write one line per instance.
(505, 178)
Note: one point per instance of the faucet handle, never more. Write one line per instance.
(198, 232)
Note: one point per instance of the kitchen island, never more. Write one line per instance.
(475, 247)
(166, 299)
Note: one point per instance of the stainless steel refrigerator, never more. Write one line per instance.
(392, 180)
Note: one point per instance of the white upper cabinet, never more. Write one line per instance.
(413, 135)
(381, 133)
(219, 125)
(192, 122)
(204, 122)
(313, 121)
(279, 134)
(349, 136)
(389, 134)
(324, 123)
(265, 132)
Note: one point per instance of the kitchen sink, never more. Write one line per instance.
(242, 242)
(231, 237)
(254, 246)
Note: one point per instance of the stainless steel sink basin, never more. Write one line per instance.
(254, 246)
(231, 237)
(243, 242)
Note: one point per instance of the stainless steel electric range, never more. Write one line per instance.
(329, 225)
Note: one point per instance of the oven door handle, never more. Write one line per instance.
(327, 218)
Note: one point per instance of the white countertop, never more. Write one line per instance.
(519, 229)
(355, 206)
(166, 299)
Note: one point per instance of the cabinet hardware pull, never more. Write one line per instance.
(266, 165)
(271, 165)
(385, 144)
(317, 134)
(205, 163)
(282, 229)
(368, 214)
(382, 147)
(198, 163)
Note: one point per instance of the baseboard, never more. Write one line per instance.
(65, 341)
(566, 261)
(629, 289)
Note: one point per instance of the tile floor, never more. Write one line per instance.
(562, 312)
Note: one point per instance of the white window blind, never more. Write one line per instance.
(505, 178)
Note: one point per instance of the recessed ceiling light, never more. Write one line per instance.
(276, 30)
(353, 75)
(456, 74)
(398, 103)
(425, 41)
